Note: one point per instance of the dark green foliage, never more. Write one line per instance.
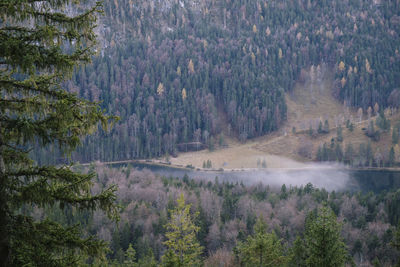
(351, 127)
(392, 157)
(396, 241)
(339, 153)
(393, 207)
(260, 249)
(395, 135)
(284, 194)
(298, 254)
(326, 127)
(320, 130)
(310, 130)
(323, 243)
(264, 164)
(371, 132)
(339, 134)
(349, 154)
(39, 48)
(229, 206)
(382, 122)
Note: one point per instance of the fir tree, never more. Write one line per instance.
(39, 47)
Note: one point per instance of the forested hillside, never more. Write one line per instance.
(181, 71)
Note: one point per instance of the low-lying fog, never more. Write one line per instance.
(330, 177)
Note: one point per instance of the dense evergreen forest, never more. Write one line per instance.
(179, 72)
(182, 71)
(226, 216)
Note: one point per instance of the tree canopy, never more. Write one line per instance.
(261, 249)
(41, 43)
(183, 247)
(323, 242)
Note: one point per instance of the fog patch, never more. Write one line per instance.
(328, 176)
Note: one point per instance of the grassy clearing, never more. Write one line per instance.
(311, 101)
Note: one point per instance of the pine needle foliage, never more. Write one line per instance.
(323, 242)
(182, 244)
(261, 249)
(41, 43)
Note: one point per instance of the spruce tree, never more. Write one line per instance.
(40, 45)
(261, 249)
(324, 245)
(395, 135)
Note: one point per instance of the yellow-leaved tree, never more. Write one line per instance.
(191, 67)
(341, 66)
(160, 89)
(184, 95)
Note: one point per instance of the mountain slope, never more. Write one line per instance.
(165, 67)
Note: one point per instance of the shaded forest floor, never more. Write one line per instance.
(311, 101)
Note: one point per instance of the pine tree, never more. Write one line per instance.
(261, 249)
(39, 47)
(324, 245)
(183, 247)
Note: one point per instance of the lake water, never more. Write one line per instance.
(322, 176)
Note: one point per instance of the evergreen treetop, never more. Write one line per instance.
(183, 247)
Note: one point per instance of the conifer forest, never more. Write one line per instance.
(215, 133)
